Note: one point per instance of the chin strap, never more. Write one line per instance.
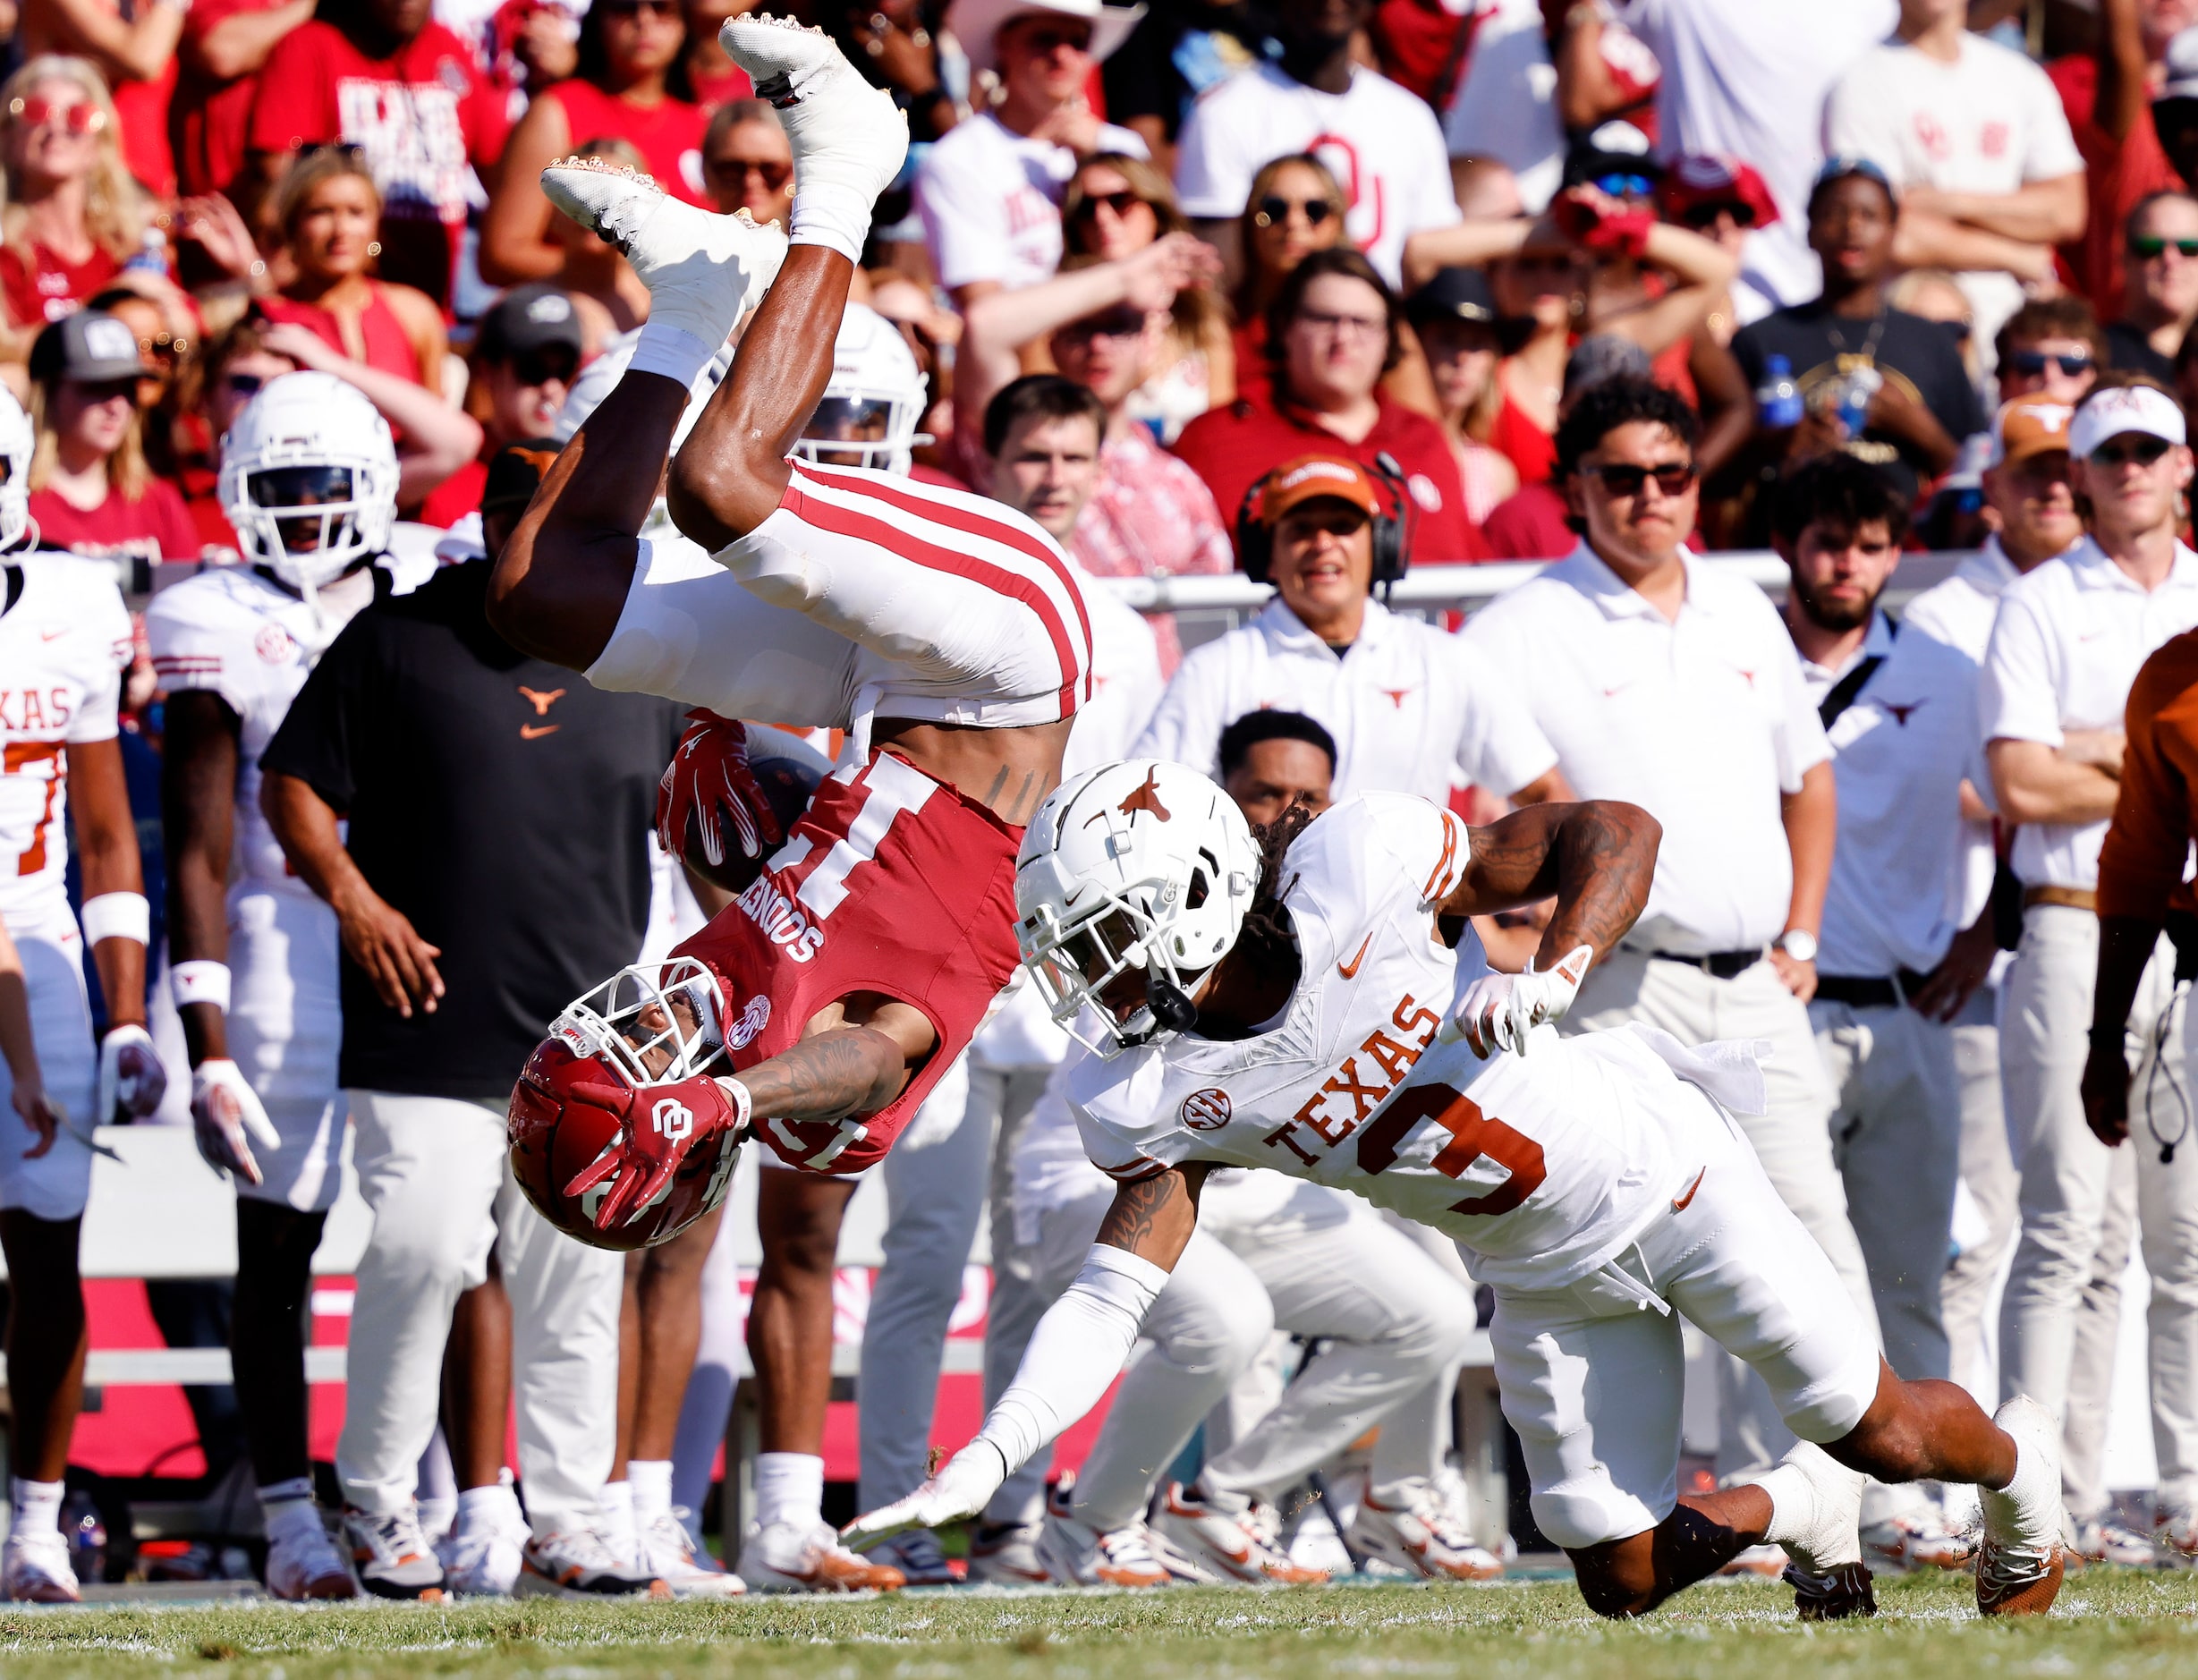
(1172, 1012)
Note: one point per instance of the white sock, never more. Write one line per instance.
(494, 1506)
(789, 1489)
(616, 1501)
(651, 1482)
(37, 1504)
(1791, 1502)
(285, 1507)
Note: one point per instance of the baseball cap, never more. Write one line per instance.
(1615, 149)
(1713, 178)
(2182, 60)
(2126, 408)
(530, 318)
(1308, 477)
(515, 472)
(1840, 165)
(1452, 294)
(2028, 427)
(91, 346)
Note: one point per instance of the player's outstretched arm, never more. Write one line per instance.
(1078, 1348)
(561, 583)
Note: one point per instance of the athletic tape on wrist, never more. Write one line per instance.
(117, 916)
(670, 350)
(200, 980)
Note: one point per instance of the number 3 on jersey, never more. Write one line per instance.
(1472, 1136)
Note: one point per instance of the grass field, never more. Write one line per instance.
(2107, 1622)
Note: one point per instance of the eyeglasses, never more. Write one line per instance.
(80, 119)
(1278, 209)
(1701, 216)
(1121, 203)
(2036, 361)
(773, 175)
(1051, 38)
(244, 384)
(541, 367)
(106, 390)
(1346, 326)
(2145, 247)
(2120, 452)
(1113, 324)
(1623, 478)
(1625, 186)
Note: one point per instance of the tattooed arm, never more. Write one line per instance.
(855, 1058)
(1153, 1218)
(1597, 857)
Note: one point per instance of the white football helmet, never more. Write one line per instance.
(309, 479)
(16, 447)
(1143, 865)
(870, 408)
(651, 1023)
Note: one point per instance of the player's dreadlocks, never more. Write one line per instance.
(1267, 936)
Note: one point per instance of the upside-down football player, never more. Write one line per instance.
(1289, 1001)
(944, 632)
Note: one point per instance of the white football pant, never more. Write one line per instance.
(56, 1186)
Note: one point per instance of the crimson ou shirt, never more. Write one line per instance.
(156, 526)
(893, 883)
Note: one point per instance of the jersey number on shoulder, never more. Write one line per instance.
(1473, 1135)
(14, 758)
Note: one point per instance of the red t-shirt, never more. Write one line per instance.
(1529, 525)
(157, 525)
(668, 134)
(456, 496)
(1233, 447)
(712, 92)
(2117, 174)
(210, 120)
(39, 287)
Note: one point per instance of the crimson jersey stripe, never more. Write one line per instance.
(846, 522)
(976, 524)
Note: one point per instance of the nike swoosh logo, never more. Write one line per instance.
(53, 635)
(1350, 970)
(1678, 1203)
(535, 732)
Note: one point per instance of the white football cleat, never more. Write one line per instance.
(34, 1569)
(1227, 1544)
(702, 270)
(667, 1551)
(2020, 1560)
(2175, 1535)
(1005, 1555)
(304, 1562)
(1416, 1532)
(796, 1558)
(1820, 1504)
(845, 135)
(1077, 1554)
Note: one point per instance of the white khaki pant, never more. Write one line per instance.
(1792, 1140)
(1896, 1137)
(2080, 1202)
(1988, 1173)
(433, 1170)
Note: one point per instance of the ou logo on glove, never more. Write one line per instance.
(673, 1119)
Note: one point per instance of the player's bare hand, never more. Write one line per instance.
(660, 1126)
(962, 1488)
(39, 1112)
(382, 942)
(226, 1118)
(1797, 977)
(2105, 1089)
(1498, 1011)
(1967, 963)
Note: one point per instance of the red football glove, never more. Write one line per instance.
(708, 780)
(663, 1124)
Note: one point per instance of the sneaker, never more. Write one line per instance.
(1005, 1555)
(1418, 1533)
(2020, 1560)
(702, 270)
(846, 136)
(667, 1551)
(482, 1563)
(1820, 1503)
(919, 1556)
(2107, 1540)
(1076, 1554)
(2175, 1538)
(34, 1569)
(1897, 1544)
(392, 1556)
(802, 1558)
(1227, 1544)
(575, 1563)
(303, 1563)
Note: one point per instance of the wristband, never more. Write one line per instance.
(836, 217)
(200, 980)
(670, 350)
(744, 1105)
(117, 916)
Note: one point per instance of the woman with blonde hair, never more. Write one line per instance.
(91, 489)
(72, 215)
(1294, 209)
(330, 211)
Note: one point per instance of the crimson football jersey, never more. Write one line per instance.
(893, 883)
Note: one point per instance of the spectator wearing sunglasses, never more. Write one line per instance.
(1454, 314)
(2159, 298)
(133, 48)
(166, 330)
(747, 163)
(1296, 209)
(632, 85)
(383, 77)
(74, 215)
(525, 355)
(236, 367)
(90, 488)
(1380, 141)
(1973, 136)
(2050, 349)
(989, 192)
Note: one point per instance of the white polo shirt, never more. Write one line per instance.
(990, 200)
(2068, 644)
(1960, 610)
(1819, 679)
(1904, 880)
(1410, 706)
(1702, 722)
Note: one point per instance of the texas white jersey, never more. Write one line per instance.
(234, 631)
(64, 643)
(1546, 1164)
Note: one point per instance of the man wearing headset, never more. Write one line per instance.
(1410, 709)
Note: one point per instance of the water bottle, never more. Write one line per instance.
(1777, 400)
(87, 1536)
(1855, 390)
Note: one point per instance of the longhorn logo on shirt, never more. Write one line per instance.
(541, 703)
(1206, 1110)
(1398, 697)
(672, 1118)
(1145, 796)
(1900, 714)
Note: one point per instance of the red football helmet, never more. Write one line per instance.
(645, 1029)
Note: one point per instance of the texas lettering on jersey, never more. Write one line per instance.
(1387, 1060)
